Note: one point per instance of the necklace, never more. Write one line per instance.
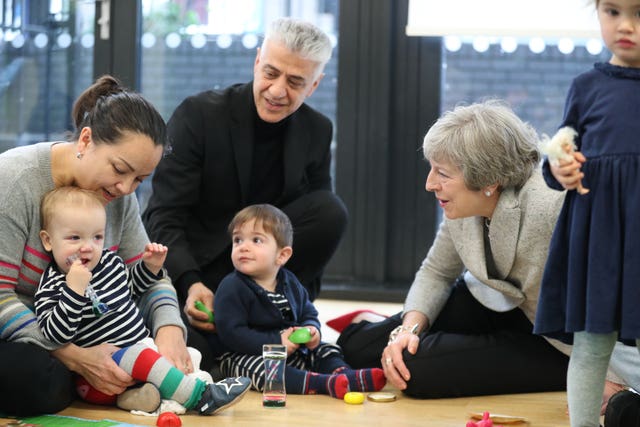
(487, 222)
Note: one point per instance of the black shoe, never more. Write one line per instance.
(623, 410)
(221, 395)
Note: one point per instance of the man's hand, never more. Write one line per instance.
(198, 319)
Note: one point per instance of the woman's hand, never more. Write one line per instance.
(397, 373)
(198, 319)
(610, 388)
(96, 366)
(170, 342)
(567, 172)
(393, 365)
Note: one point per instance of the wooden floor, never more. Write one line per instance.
(539, 409)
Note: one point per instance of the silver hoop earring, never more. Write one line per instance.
(487, 193)
(78, 155)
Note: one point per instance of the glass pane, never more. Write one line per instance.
(533, 75)
(197, 45)
(46, 60)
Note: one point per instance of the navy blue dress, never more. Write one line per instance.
(592, 278)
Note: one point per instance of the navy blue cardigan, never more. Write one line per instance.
(246, 318)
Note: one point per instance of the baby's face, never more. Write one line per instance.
(76, 234)
(254, 251)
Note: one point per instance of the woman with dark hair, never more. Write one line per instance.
(119, 139)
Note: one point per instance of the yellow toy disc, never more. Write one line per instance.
(354, 398)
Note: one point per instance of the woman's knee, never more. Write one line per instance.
(34, 382)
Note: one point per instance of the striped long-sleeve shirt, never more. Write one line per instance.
(25, 173)
(64, 316)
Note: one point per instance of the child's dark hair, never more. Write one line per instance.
(109, 109)
(272, 219)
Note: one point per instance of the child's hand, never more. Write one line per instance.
(154, 256)
(315, 337)
(78, 277)
(284, 339)
(567, 172)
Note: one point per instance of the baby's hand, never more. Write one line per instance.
(284, 339)
(315, 337)
(154, 256)
(78, 277)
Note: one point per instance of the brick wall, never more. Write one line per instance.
(534, 84)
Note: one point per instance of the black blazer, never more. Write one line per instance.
(204, 181)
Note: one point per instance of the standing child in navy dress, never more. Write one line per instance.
(591, 289)
(261, 302)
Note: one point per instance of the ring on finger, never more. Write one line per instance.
(388, 361)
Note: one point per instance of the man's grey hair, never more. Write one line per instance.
(302, 38)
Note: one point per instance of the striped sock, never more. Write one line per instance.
(364, 379)
(147, 365)
(335, 385)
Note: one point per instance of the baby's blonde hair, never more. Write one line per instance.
(66, 196)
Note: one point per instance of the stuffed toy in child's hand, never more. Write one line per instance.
(561, 147)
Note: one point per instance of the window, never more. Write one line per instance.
(46, 60)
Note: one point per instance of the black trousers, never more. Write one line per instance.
(469, 351)
(319, 220)
(32, 382)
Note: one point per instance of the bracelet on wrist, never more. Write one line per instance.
(413, 329)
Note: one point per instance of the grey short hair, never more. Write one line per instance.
(302, 38)
(488, 142)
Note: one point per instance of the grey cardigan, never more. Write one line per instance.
(520, 231)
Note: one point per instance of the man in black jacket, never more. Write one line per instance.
(249, 143)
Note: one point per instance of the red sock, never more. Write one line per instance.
(336, 385)
(92, 395)
(364, 379)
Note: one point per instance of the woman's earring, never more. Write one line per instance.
(487, 193)
(78, 155)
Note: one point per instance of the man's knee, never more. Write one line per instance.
(333, 209)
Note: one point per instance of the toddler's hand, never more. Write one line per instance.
(315, 337)
(284, 339)
(567, 172)
(154, 256)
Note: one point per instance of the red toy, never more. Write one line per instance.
(168, 419)
(484, 422)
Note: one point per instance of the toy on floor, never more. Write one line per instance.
(168, 419)
(484, 422)
(354, 398)
(495, 418)
(300, 336)
(561, 147)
